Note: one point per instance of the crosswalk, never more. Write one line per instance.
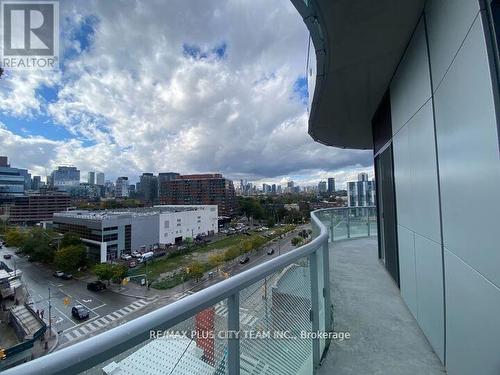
(245, 318)
(103, 321)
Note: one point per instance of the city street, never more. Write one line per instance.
(111, 308)
(105, 307)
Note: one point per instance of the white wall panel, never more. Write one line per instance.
(430, 304)
(472, 327)
(469, 158)
(402, 177)
(424, 180)
(411, 86)
(408, 280)
(447, 24)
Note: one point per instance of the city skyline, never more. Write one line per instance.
(219, 97)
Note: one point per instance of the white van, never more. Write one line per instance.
(146, 256)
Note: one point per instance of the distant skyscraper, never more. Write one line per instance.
(149, 187)
(36, 183)
(121, 188)
(361, 193)
(12, 180)
(64, 177)
(322, 187)
(91, 178)
(99, 179)
(331, 185)
(363, 177)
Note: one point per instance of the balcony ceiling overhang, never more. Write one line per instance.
(358, 45)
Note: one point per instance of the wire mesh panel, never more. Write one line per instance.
(274, 317)
(198, 345)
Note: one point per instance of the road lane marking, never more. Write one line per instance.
(76, 333)
(84, 330)
(98, 307)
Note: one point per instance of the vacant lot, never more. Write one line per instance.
(165, 268)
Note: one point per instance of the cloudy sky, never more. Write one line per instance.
(187, 86)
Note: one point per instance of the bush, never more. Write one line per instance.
(70, 258)
(296, 241)
(231, 253)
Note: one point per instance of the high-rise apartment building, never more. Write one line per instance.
(322, 189)
(91, 178)
(201, 189)
(121, 187)
(99, 179)
(148, 188)
(164, 177)
(361, 193)
(331, 185)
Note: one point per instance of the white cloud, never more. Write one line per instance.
(136, 103)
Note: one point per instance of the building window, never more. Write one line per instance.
(166, 224)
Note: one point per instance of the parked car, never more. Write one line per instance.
(7, 256)
(132, 264)
(58, 274)
(125, 257)
(270, 251)
(136, 254)
(80, 312)
(244, 259)
(96, 286)
(66, 276)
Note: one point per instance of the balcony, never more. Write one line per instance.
(273, 307)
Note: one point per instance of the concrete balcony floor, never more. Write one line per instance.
(385, 338)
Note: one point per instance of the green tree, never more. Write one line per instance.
(70, 239)
(14, 237)
(70, 258)
(104, 271)
(119, 272)
(195, 270)
(39, 245)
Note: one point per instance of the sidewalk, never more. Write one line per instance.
(46, 344)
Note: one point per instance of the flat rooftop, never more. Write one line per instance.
(130, 212)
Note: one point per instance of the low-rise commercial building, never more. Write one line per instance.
(110, 233)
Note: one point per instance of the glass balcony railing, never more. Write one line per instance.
(262, 321)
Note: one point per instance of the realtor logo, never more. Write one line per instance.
(30, 34)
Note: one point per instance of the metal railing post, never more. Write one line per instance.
(331, 227)
(348, 223)
(326, 289)
(233, 326)
(368, 220)
(313, 268)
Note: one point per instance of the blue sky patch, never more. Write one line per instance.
(300, 89)
(41, 125)
(194, 51)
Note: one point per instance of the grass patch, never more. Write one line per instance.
(233, 247)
